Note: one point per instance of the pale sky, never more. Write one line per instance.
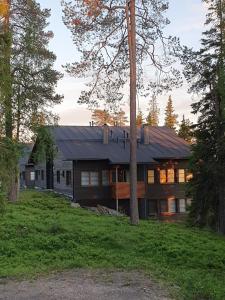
(187, 20)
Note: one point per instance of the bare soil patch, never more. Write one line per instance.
(85, 285)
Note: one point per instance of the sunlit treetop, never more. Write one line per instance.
(4, 8)
(100, 33)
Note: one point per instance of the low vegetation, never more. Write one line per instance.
(42, 233)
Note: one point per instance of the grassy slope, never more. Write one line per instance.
(42, 233)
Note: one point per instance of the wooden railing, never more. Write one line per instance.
(121, 190)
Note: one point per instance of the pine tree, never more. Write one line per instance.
(101, 117)
(185, 132)
(170, 116)
(204, 70)
(153, 115)
(27, 77)
(115, 39)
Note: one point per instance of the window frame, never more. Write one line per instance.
(107, 175)
(151, 176)
(166, 176)
(179, 176)
(90, 181)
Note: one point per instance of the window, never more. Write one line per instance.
(167, 176)
(151, 176)
(32, 176)
(182, 205)
(170, 175)
(123, 175)
(171, 205)
(181, 176)
(105, 177)
(162, 176)
(163, 206)
(42, 175)
(58, 176)
(68, 177)
(36, 175)
(85, 180)
(23, 175)
(94, 178)
(89, 179)
(63, 174)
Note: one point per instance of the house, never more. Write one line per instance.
(27, 178)
(92, 166)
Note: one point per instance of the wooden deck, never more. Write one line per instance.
(121, 190)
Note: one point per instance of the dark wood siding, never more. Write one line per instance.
(167, 190)
(91, 195)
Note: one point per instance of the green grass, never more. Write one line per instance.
(41, 233)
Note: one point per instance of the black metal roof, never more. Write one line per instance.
(86, 143)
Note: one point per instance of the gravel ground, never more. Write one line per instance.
(84, 285)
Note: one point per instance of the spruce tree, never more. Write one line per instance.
(204, 70)
(153, 115)
(185, 131)
(170, 116)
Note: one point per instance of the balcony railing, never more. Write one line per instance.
(121, 190)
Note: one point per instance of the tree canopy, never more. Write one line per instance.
(205, 71)
(170, 116)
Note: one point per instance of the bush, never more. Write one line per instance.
(2, 203)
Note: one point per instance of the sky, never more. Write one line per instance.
(187, 21)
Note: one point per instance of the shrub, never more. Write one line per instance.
(2, 203)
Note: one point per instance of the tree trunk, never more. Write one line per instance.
(7, 94)
(134, 214)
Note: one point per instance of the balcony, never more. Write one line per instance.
(121, 190)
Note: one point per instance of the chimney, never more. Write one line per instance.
(145, 135)
(105, 134)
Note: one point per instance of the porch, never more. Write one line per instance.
(121, 190)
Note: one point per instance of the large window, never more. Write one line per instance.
(105, 177)
(162, 176)
(32, 176)
(89, 179)
(68, 177)
(123, 175)
(170, 175)
(151, 176)
(171, 205)
(167, 176)
(182, 205)
(181, 175)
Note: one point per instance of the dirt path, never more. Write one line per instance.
(84, 285)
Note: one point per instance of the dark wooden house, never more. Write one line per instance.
(92, 166)
(26, 168)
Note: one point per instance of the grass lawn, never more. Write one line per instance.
(41, 233)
